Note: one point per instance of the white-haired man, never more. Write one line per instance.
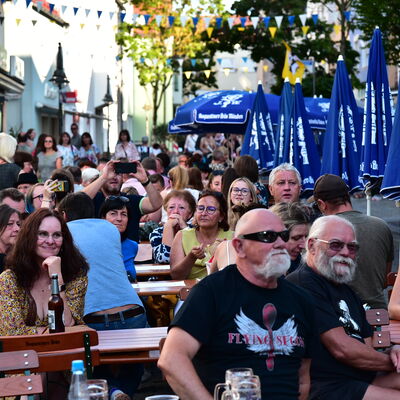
(346, 365)
(246, 315)
(285, 184)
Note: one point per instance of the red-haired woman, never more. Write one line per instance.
(44, 247)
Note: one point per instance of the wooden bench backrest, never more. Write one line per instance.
(377, 318)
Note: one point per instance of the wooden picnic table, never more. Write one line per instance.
(146, 270)
(130, 345)
(151, 288)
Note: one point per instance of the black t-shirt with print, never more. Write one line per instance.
(337, 305)
(235, 321)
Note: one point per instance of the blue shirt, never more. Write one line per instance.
(129, 251)
(100, 243)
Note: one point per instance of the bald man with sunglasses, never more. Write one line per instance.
(246, 315)
(346, 364)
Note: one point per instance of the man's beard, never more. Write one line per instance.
(275, 264)
(330, 269)
(114, 190)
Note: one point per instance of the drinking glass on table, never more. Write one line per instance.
(97, 389)
(232, 376)
(248, 388)
(163, 397)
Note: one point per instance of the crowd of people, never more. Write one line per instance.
(283, 277)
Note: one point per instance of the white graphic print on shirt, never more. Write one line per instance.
(350, 326)
(266, 341)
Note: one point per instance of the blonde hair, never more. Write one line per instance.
(233, 216)
(8, 145)
(179, 177)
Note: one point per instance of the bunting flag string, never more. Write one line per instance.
(207, 23)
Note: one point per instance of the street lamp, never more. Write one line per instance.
(60, 79)
(108, 100)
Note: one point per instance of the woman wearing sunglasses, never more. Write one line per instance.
(192, 248)
(297, 219)
(115, 210)
(241, 193)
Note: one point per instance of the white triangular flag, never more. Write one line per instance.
(184, 19)
(278, 20)
(207, 21)
(230, 22)
(254, 21)
(159, 19)
(303, 18)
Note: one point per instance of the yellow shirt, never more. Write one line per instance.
(189, 240)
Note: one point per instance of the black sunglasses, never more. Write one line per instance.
(266, 236)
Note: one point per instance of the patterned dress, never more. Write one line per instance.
(14, 305)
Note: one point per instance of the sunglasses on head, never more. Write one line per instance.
(337, 245)
(266, 236)
(122, 198)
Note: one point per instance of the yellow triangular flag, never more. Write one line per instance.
(18, 20)
(98, 27)
(209, 31)
(240, 28)
(188, 74)
(207, 73)
(245, 69)
(305, 29)
(226, 71)
(336, 28)
(82, 26)
(265, 68)
(272, 30)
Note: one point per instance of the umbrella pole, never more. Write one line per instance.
(368, 204)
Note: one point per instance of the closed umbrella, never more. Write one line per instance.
(303, 149)
(342, 139)
(259, 137)
(378, 117)
(284, 124)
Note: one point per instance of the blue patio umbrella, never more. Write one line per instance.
(259, 140)
(303, 152)
(283, 131)
(391, 179)
(343, 132)
(378, 113)
(228, 111)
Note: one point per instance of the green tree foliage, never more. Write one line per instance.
(155, 48)
(317, 44)
(385, 14)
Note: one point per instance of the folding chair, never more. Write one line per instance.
(27, 384)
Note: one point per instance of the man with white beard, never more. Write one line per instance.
(346, 365)
(246, 315)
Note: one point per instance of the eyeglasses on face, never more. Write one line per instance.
(40, 196)
(48, 141)
(266, 236)
(243, 191)
(210, 210)
(337, 245)
(44, 235)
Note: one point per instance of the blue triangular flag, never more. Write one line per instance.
(243, 21)
(146, 18)
(266, 21)
(315, 18)
(76, 9)
(218, 22)
(291, 19)
(171, 20)
(51, 7)
(99, 12)
(122, 16)
(195, 21)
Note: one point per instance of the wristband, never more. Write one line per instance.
(146, 183)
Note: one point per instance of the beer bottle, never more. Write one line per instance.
(56, 308)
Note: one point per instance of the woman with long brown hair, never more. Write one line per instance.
(44, 247)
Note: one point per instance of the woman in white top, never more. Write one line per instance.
(125, 148)
(69, 153)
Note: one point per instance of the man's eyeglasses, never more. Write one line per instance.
(243, 191)
(122, 198)
(210, 210)
(337, 245)
(56, 236)
(266, 236)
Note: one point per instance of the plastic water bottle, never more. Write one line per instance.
(78, 388)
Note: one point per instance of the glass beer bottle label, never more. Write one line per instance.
(52, 319)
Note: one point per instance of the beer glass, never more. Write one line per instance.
(245, 389)
(232, 376)
(97, 389)
(162, 397)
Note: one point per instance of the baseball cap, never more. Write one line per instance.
(329, 187)
(89, 173)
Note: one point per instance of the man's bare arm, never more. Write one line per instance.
(304, 378)
(176, 363)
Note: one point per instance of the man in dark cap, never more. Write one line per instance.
(373, 234)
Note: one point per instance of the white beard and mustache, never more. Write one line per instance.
(275, 264)
(330, 269)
